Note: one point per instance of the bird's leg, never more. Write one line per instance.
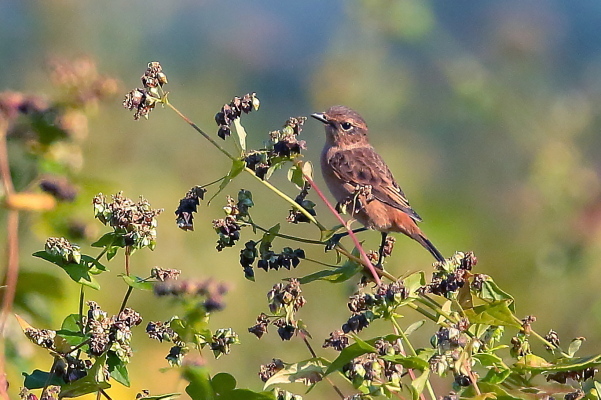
(382, 245)
(333, 241)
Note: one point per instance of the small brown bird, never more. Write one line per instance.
(357, 175)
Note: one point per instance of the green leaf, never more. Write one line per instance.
(137, 283)
(307, 372)
(241, 132)
(223, 383)
(414, 327)
(347, 354)
(246, 394)
(199, 387)
(337, 275)
(80, 273)
(414, 281)
(488, 388)
(533, 363)
(71, 323)
(38, 379)
(496, 376)
(418, 384)
(575, 346)
(488, 359)
(295, 175)
(410, 362)
(106, 240)
(94, 266)
(268, 238)
(495, 313)
(237, 167)
(118, 369)
(491, 292)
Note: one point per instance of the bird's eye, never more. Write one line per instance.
(346, 126)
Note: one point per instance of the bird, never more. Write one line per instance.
(357, 175)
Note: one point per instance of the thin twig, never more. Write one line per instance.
(366, 261)
(12, 261)
(314, 355)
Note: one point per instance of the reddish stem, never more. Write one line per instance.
(364, 257)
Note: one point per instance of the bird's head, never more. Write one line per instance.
(344, 126)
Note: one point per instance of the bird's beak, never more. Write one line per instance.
(320, 117)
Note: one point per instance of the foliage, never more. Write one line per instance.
(477, 341)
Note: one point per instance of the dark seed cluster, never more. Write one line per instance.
(59, 187)
(284, 302)
(283, 146)
(162, 332)
(268, 370)
(164, 274)
(229, 112)
(357, 201)
(110, 333)
(450, 344)
(369, 372)
(63, 248)
(135, 222)
(228, 228)
(144, 100)
(452, 274)
(188, 205)
(578, 376)
(269, 260)
(368, 306)
(210, 290)
(222, 341)
(295, 216)
(338, 340)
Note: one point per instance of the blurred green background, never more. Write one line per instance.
(487, 112)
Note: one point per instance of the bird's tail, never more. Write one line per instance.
(430, 247)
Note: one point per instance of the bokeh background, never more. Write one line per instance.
(487, 112)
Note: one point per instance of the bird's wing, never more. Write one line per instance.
(363, 166)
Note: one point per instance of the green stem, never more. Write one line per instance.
(401, 333)
(250, 171)
(197, 129)
(289, 237)
(321, 263)
(288, 199)
(81, 298)
(124, 303)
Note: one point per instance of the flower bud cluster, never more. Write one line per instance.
(135, 222)
(228, 228)
(283, 146)
(188, 205)
(222, 340)
(61, 247)
(284, 302)
(144, 100)
(229, 112)
(295, 216)
(369, 372)
(210, 290)
(452, 274)
(110, 333)
(450, 344)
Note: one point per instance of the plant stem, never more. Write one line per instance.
(315, 356)
(81, 298)
(289, 237)
(124, 303)
(12, 254)
(197, 129)
(127, 254)
(400, 331)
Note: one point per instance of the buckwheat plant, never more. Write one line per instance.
(479, 347)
